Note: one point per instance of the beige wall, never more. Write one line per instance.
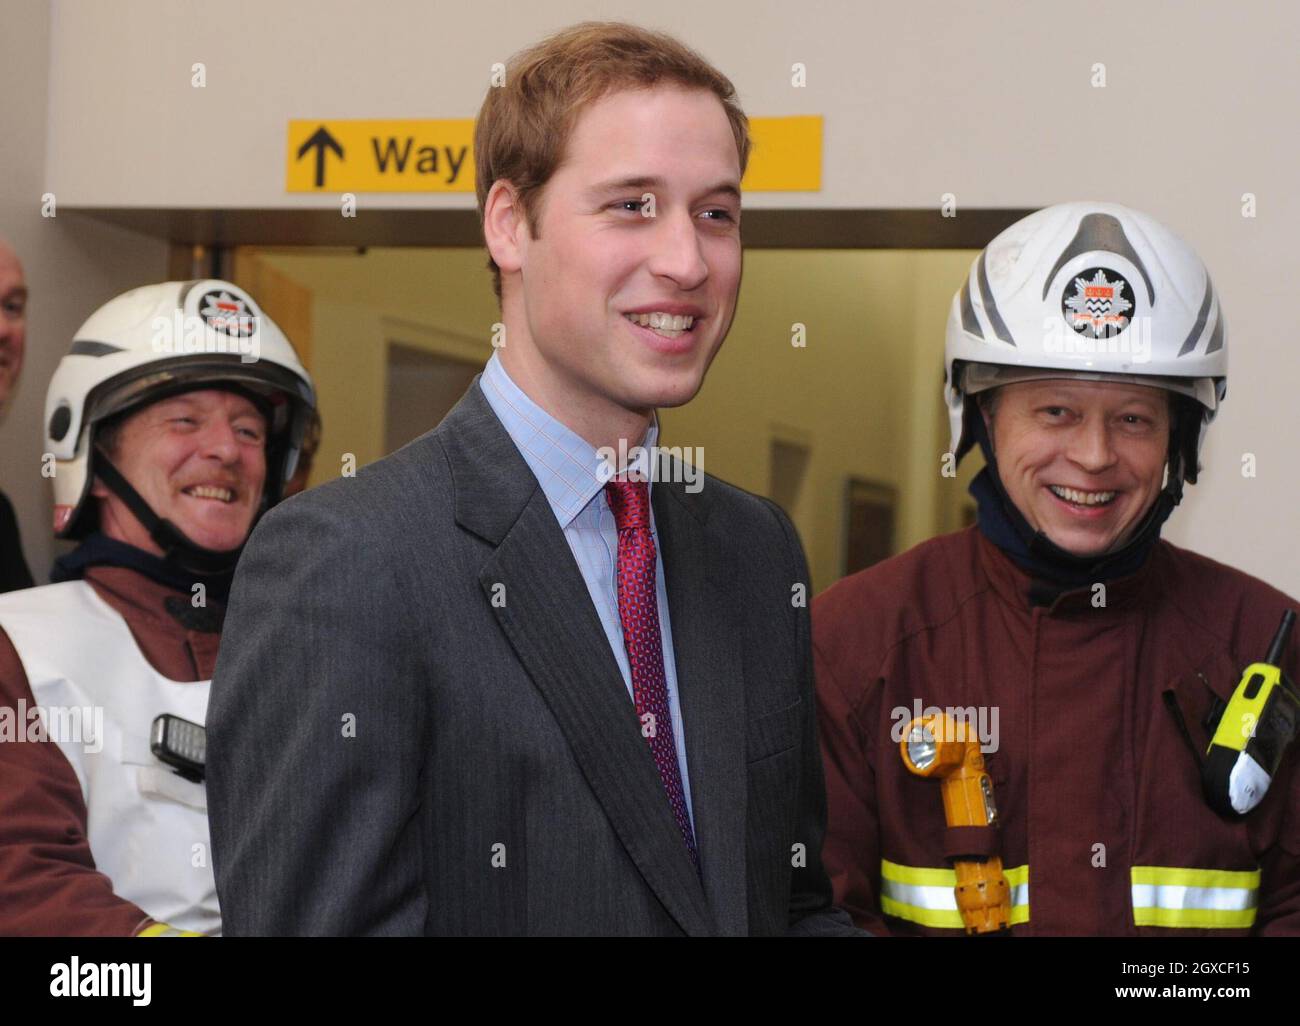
(72, 265)
(991, 101)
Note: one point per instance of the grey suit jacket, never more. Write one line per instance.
(417, 726)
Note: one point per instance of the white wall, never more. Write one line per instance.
(992, 102)
(72, 266)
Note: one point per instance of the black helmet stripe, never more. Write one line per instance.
(85, 347)
(1216, 340)
(1202, 315)
(968, 319)
(990, 305)
(1100, 233)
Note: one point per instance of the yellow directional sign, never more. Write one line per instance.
(786, 155)
(438, 155)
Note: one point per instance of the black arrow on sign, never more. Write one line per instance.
(321, 141)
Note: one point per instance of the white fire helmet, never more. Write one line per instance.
(156, 341)
(1090, 291)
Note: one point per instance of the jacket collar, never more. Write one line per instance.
(493, 484)
(1017, 588)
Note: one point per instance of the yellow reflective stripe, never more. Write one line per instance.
(928, 896)
(1195, 898)
(950, 920)
(1195, 918)
(1017, 876)
(1018, 880)
(1162, 875)
(165, 930)
(918, 875)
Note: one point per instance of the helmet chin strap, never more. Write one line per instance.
(1043, 547)
(176, 547)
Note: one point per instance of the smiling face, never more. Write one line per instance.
(1083, 461)
(198, 459)
(567, 294)
(13, 320)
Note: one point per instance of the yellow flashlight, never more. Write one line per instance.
(940, 748)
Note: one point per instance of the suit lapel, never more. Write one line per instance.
(549, 620)
(711, 686)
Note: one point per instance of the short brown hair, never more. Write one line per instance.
(524, 125)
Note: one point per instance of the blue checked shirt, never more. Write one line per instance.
(568, 470)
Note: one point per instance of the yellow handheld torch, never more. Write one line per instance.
(939, 747)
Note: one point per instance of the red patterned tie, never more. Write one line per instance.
(638, 609)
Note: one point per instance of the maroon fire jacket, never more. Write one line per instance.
(1104, 827)
(48, 881)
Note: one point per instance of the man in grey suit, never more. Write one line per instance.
(499, 683)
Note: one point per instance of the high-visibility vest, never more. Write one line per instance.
(147, 826)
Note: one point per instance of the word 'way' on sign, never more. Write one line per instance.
(381, 156)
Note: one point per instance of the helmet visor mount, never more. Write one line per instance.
(980, 377)
(264, 384)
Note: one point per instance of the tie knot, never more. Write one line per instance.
(630, 501)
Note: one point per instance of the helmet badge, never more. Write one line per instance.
(1099, 304)
(228, 314)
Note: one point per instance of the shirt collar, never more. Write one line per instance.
(568, 468)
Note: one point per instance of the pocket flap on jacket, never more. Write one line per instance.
(159, 782)
(772, 732)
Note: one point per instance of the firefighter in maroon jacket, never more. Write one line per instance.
(1086, 354)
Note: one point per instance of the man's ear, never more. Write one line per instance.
(505, 228)
(984, 412)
